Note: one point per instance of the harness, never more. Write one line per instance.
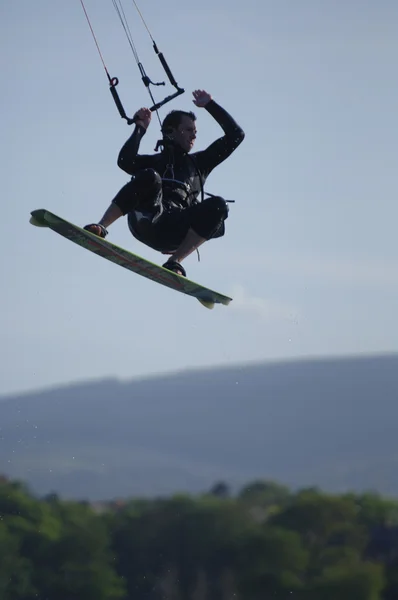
(168, 174)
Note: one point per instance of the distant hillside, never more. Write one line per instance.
(330, 423)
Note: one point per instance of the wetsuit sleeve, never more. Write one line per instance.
(129, 160)
(219, 150)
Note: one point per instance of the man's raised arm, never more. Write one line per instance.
(233, 136)
(128, 159)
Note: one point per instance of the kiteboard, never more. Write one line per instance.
(207, 297)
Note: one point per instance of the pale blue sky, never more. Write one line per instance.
(310, 254)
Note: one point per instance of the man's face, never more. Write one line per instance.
(185, 133)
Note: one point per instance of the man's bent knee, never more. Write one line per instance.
(209, 216)
(148, 178)
(142, 191)
(219, 205)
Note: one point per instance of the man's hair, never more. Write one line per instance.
(173, 119)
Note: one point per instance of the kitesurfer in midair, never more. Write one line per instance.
(164, 200)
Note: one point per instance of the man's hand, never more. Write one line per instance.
(201, 98)
(143, 117)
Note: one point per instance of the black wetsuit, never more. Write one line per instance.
(165, 195)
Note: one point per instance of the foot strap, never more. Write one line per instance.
(173, 265)
(89, 228)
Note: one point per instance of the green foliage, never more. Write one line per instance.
(272, 561)
(264, 494)
(53, 550)
(364, 581)
(373, 510)
(265, 542)
(15, 570)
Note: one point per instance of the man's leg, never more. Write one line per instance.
(206, 219)
(191, 242)
(112, 214)
(144, 190)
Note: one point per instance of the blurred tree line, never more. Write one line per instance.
(263, 542)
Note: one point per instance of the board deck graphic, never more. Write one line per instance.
(207, 297)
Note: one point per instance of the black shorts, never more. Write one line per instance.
(168, 228)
